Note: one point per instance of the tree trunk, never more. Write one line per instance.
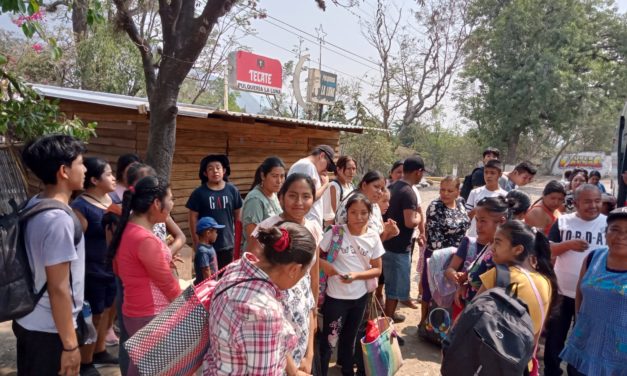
(79, 19)
(162, 131)
(512, 147)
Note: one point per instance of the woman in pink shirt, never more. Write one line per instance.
(140, 259)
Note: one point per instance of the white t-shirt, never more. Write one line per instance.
(305, 166)
(475, 196)
(347, 260)
(344, 192)
(50, 241)
(568, 264)
(418, 202)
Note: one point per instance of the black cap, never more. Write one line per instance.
(413, 163)
(330, 154)
(615, 214)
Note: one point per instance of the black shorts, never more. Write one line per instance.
(38, 353)
(100, 294)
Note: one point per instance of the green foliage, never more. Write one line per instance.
(538, 65)
(108, 61)
(211, 96)
(442, 149)
(372, 150)
(25, 115)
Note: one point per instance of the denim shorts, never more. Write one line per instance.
(397, 268)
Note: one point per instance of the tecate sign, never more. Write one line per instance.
(256, 73)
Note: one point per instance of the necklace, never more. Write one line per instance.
(95, 199)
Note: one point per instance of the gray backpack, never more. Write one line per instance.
(493, 335)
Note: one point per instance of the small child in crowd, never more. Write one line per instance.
(205, 259)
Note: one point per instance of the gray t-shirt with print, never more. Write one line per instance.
(49, 239)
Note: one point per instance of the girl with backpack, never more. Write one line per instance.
(357, 259)
(249, 329)
(528, 255)
(474, 255)
(296, 198)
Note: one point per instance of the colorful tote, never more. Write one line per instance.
(382, 356)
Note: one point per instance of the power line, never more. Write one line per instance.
(317, 62)
(326, 42)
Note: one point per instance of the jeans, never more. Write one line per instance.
(556, 333)
(341, 320)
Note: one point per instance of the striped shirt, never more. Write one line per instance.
(249, 331)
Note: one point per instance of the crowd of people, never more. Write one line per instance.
(316, 255)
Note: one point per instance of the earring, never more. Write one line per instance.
(291, 275)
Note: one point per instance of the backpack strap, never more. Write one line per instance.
(43, 206)
(540, 302)
(335, 245)
(51, 204)
(238, 283)
(502, 276)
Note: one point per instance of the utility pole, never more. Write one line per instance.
(321, 35)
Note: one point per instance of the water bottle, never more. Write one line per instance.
(92, 334)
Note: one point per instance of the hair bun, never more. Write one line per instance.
(269, 236)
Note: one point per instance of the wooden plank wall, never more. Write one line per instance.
(247, 145)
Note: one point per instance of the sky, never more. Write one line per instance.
(346, 53)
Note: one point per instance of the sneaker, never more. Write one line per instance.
(104, 357)
(398, 318)
(111, 339)
(89, 370)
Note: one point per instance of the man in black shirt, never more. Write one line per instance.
(397, 258)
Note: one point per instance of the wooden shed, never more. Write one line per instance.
(246, 138)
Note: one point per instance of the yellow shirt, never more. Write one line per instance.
(525, 292)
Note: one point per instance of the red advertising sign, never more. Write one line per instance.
(250, 72)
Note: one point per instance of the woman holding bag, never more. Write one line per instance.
(351, 275)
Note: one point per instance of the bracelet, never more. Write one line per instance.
(70, 350)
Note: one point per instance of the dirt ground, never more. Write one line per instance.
(420, 358)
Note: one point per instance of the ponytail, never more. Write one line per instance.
(127, 198)
(137, 199)
(542, 252)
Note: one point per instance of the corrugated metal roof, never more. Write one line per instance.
(124, 101)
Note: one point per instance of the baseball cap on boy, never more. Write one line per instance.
(206, 223)
(330, 154)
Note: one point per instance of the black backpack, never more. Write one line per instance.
(464, 192)
(17, 295)
(493, 335)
